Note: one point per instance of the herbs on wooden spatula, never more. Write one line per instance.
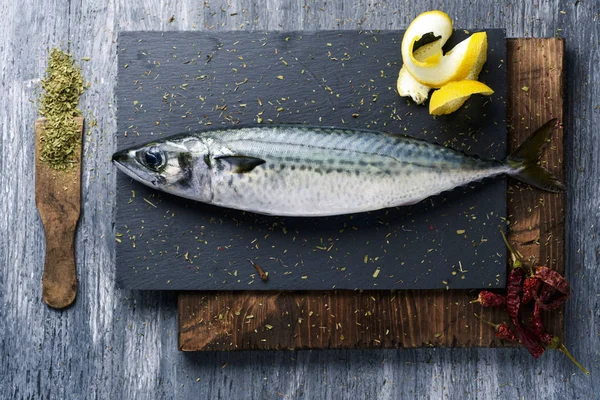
(546, 288)
(63, 85)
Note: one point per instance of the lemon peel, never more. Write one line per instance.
(426, 67)
(452, 96)
(480, 47)
(409, 87)
(429, 67)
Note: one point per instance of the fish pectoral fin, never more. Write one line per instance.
(240, 164)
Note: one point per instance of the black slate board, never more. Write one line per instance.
(172, 82)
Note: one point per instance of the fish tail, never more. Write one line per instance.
(524, 161)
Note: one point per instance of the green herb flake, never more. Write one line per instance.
(149, 202)
(63, 85)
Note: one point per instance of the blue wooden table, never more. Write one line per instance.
(123, 344)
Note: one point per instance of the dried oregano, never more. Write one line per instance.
(63, 85)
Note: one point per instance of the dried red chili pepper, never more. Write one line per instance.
(502, 330)
(552, 282)
(513, 291)
(552, 341)
(545, 294)
(530, 341)
(514, 284)
(531, 286)
(556, 282)
(489, 299)
(552, 278)
(513, 304)
(515, 257)
(537, 326)
(554, 304)
(557, 344)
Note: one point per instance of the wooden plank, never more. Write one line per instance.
(371, 319)
(536, 87)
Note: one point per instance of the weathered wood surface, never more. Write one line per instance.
(383, 319)
(58, 199)
(121, 344)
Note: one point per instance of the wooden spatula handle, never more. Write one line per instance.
(59, 282)
(58, 198)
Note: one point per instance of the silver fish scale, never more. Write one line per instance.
(328, 171)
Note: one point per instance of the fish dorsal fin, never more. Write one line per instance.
(240, 164)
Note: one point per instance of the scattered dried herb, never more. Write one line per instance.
(63, 85)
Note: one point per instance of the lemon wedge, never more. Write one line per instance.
(452, 96)
(427, 64)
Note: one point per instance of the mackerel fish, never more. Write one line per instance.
(297, 170)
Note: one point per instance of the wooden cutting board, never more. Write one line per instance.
(393, 319)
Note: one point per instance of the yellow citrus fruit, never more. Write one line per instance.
(436, 22)
(408, 86)
(480, 48)
(427, 64)
(453, 95)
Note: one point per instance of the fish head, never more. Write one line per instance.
(173, 165)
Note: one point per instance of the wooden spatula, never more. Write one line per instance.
(58, 198)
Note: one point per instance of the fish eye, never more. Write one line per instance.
(154, 158)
